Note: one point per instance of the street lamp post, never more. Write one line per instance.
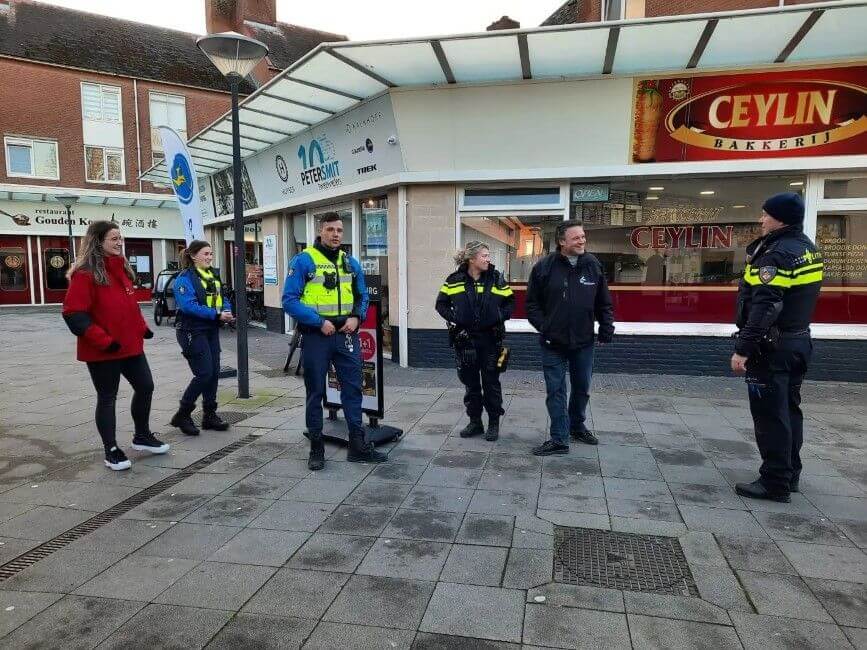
(235, 56)
(68, 200)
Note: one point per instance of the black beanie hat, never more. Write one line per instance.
(787, 207)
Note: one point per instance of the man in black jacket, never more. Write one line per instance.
(567, 292)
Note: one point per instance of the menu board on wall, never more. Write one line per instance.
(745, 116)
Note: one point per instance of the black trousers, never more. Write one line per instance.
(201, 349)
(774, 382)
(478, 373)
(106, 379)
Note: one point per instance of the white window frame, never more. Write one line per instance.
(29, 142)
(152, 95)
(101, 87)
(105, 152)
(560, 206)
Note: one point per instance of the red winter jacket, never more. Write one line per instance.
(103, 315)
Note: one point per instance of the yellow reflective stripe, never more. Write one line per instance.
(776, 281)
(451, 291)
(807, 278)
(504, 292)
(808, 268)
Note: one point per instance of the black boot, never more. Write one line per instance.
(361, 451)
(316, 461)
(493, 431)
(474, 428)
(183, 421)
(212, 421)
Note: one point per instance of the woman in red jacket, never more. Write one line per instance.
(101, 310)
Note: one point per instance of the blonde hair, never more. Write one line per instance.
(91, 257)
(469, 251)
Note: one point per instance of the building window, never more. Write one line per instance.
(100, 103)
(842, 238)
(673, 250)
(623, 9)
(517, 198)
(166, 110)
(846, 188)
(56, 265)
(31, 158)
(104, 165)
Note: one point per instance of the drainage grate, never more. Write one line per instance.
(587, 556)
(42, 551)
(232, 417)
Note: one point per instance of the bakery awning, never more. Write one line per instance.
(336, 77)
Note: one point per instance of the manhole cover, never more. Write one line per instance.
(232, 417)
(274, 374)
(587, 556)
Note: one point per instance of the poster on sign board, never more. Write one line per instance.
(370, 338)
(269, 259)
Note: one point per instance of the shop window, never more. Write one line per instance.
(520, 198)
(103, 165)
(675, 249)
(13, 269)
(842, 238)
(846, 188)
(56, 265)
(31, 158)
(516, 244)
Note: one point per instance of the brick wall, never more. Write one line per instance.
(45, 102)
(688, 355)
(678, 7)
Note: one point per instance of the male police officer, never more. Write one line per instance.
(777, 295)
(326, 293)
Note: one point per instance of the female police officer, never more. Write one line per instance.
(477, 301)
(201, 309)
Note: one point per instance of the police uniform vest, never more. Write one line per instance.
(330, 289)
(212, 286)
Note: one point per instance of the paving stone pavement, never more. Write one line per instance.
(449, 545)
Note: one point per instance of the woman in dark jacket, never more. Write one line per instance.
(476, 301)
(201, 309)
(101, 310)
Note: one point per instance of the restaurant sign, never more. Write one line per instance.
(763, 115)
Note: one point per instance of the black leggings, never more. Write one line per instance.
(106, 379)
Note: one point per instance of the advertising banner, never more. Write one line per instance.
(370, 337)
(745, 116)
(182, 174)
(269, 259)
(345, 150)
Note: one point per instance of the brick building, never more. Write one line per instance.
(81, 97)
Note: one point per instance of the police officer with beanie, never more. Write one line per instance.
(326, 293)
(476, 300)
(200, 311)
(777, 296)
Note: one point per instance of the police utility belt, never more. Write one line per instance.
(465, 352)
(771, 340)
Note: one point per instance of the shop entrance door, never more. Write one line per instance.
(140, 254)
(55, 264)
(14, 271)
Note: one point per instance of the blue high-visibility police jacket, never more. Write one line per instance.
(301, 269)
(192, 312)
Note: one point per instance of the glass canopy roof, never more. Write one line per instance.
(338, 76)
